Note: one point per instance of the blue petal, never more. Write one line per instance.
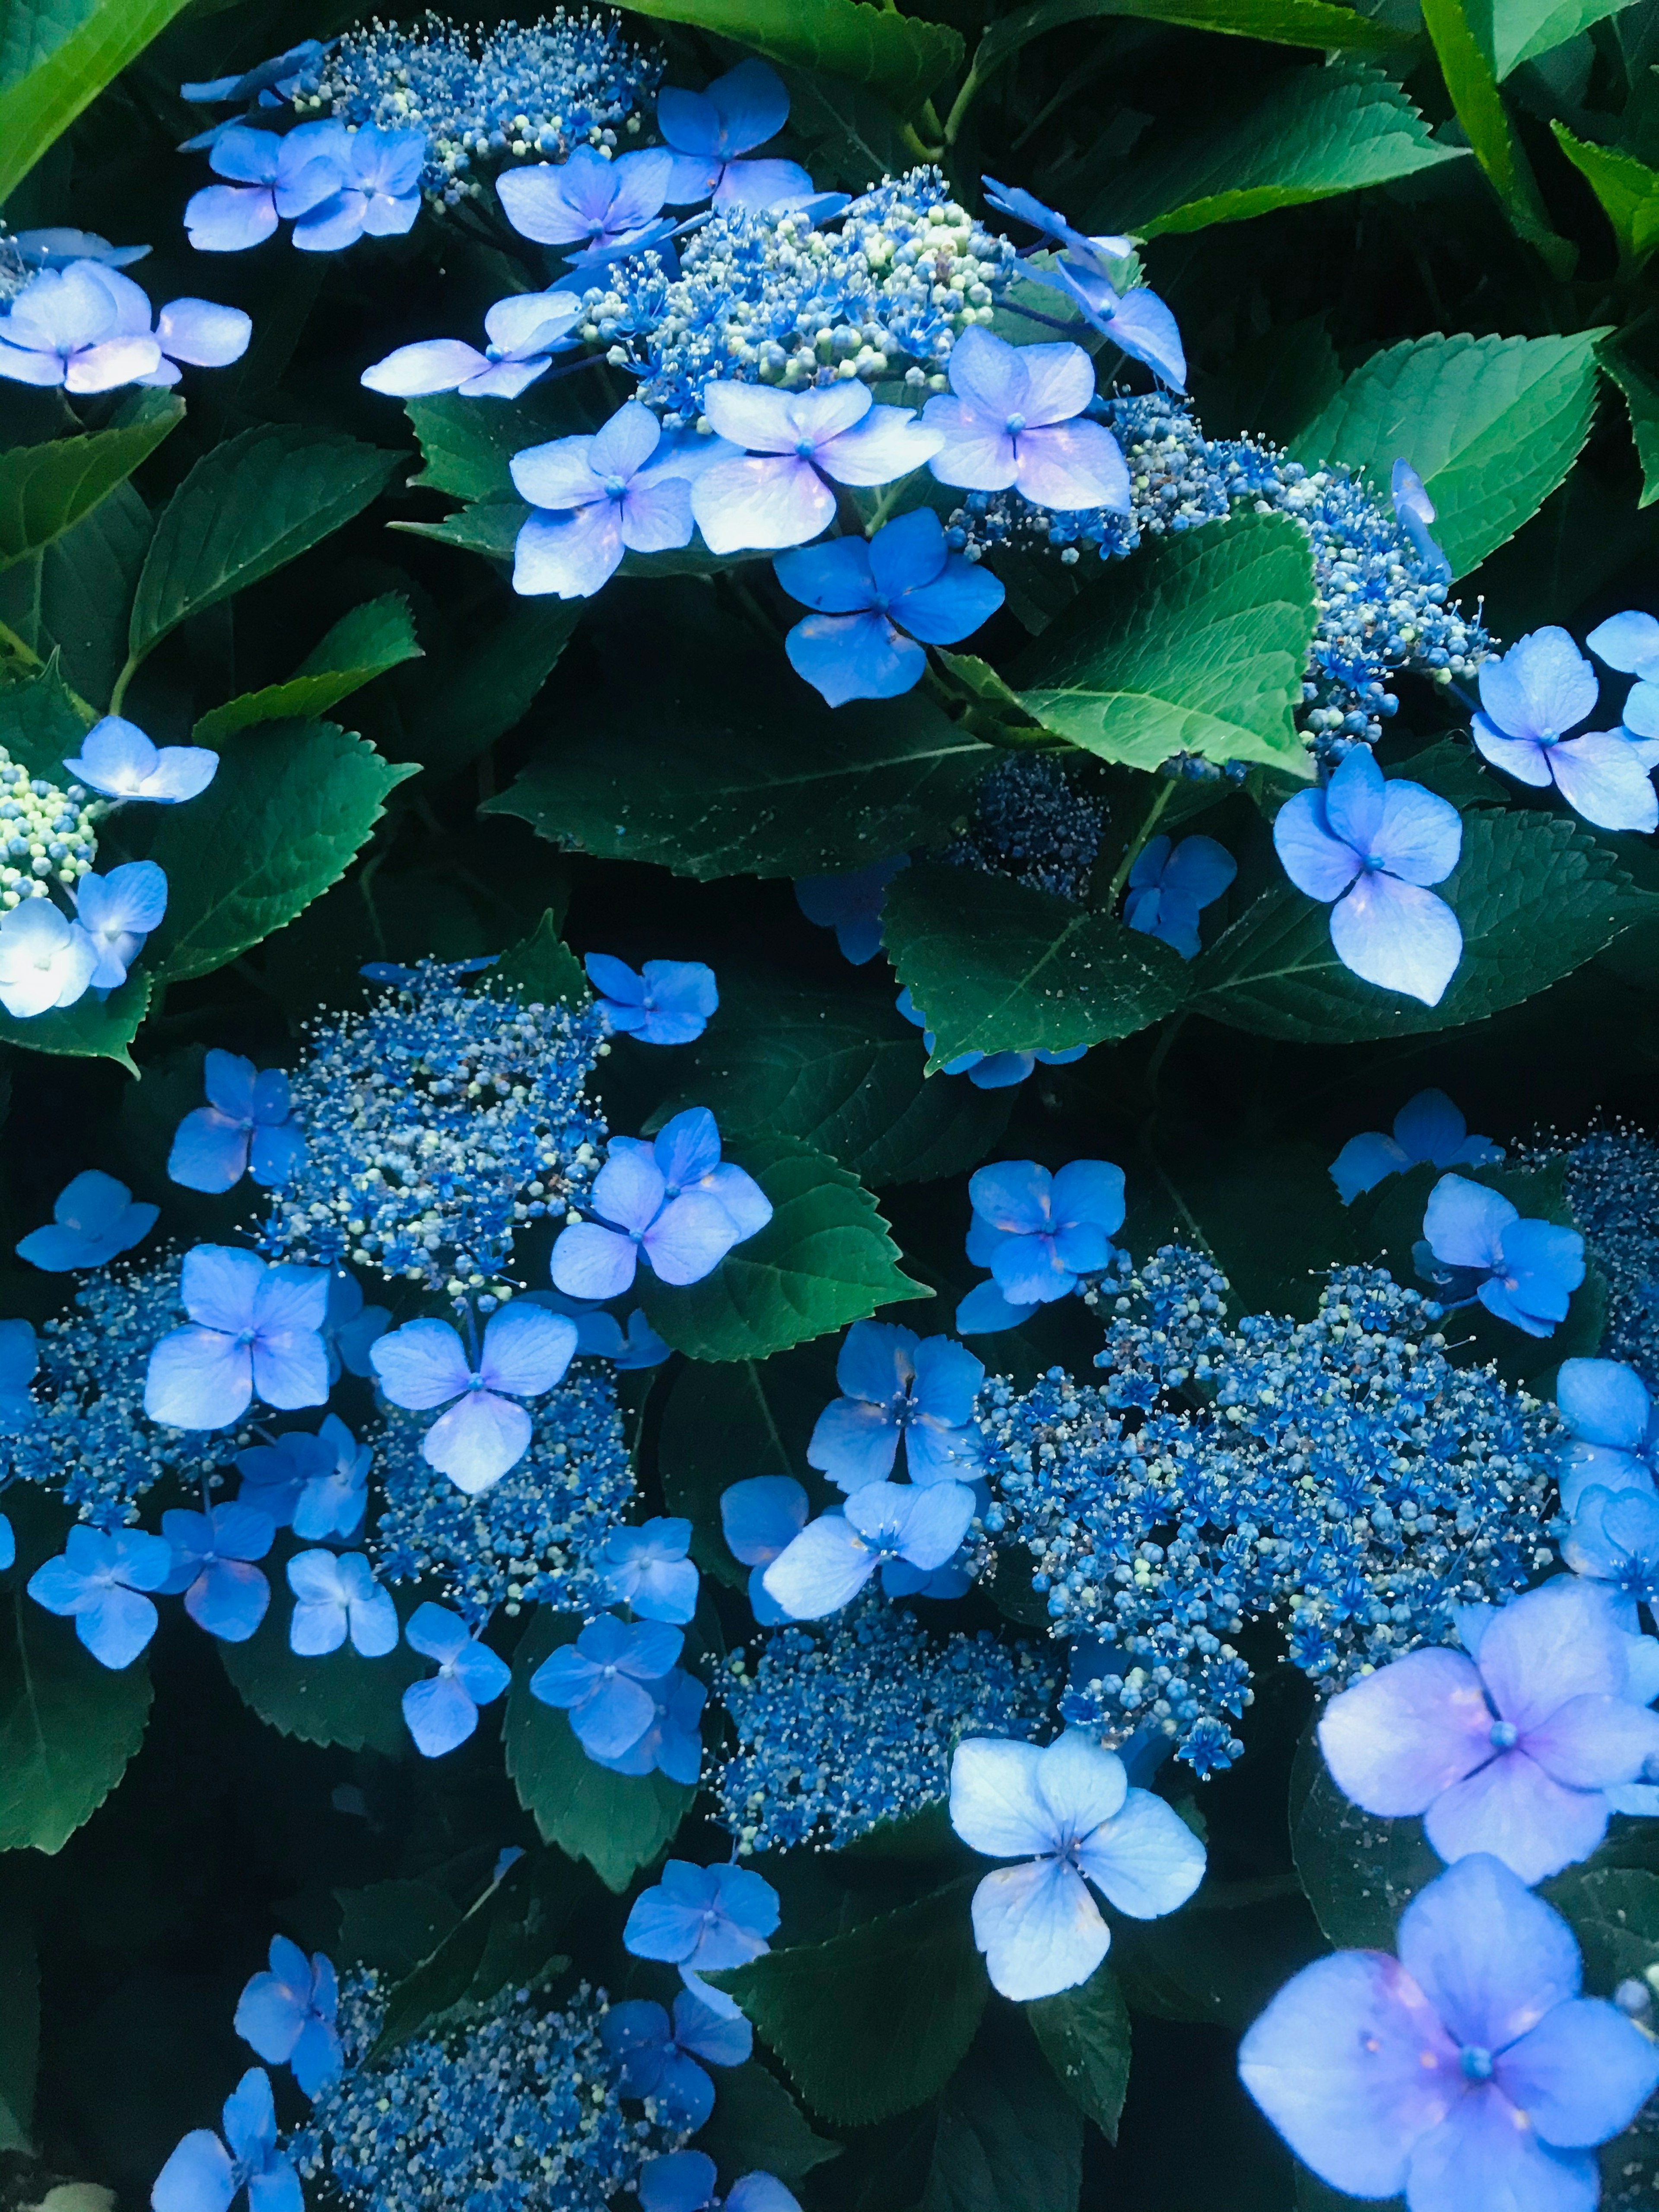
(760, 1516)
(440, 1715)
(1365, 1161)
(198, 2177)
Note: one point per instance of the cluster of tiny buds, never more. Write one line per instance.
(46, 834)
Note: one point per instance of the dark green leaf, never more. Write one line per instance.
(40, 728)
(377, 635)
(903, 55)
(1360, 1873)
(491, 527)
(1462, 38)
(1085, 2035)
(341, 1698)
(1615, 1915)
(1284, 22)
(281, 820)
(877, 2021)
(844, 1071)
(824, 1259)
(1009, 2137)
(541, 967)
(997, 967)
(45, 490)
(444, 1976)
(393, 1925)
(1536, 895)
(92, 1029)
(1219, 1958)
(1197, 645)
(1277, 385)
(473, 698)
(54, 66)
(68, 1726)
(617, 1822)
(849, 136)
(244, 510)
(1639, 386)
(1523, 29)
(74, 596)
(1492, 426)
(758, 2128)
(1310, 134)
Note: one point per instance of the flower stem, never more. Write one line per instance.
(1137, 844)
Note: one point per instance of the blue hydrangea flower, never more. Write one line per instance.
(987, 1070)
(247, 1127)
(660, 2057)
(879, 605)
(1613, 1541)
(118, 912)
(777, 494)
(253, 1328)
(315, 1484)
(1137, 321)
(286, 2013)
(99, 1581)
(665, 1002)
(1616, 1429)
(704, 1918)
(350, 1327)
(1169, 885)
(118, 759)
(526, 1351)
(827, 1565)
(272, 178)
(760, 1519)
(1014, 416)
(336, 1596)
(898, 1389)
(443, 1711)
(278, 75)
(20, 1357)
(1068, 1812)
(1472, 2073)
(1373, 846)
(671, 1742)
(1629, 643)
(57, 245)
(709, 130)
(1509, 1749)
(378, 194)
(211, 1569)
(199, 333)
(93, 1217)
(1040, 1232)
(1427, 1127)
(600, 1335)
(673, 1202)
(65, 329)
(626, 489)
(525, 330)
(1414, 512)
(202, 2176)
(597, 205)
(602, 1680)
(851, 905)
(684, 2181)
(648, 1570)
(46, 962)
(1541, 687)
(1524, 1272)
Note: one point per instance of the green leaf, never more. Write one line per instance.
(449, 1970)
(849, 136)
(1628, 191)
(1463, 39)
(341, 1698)
(617, 1822)
(45, 490)
(19, 2028)
(1308, 135)
(995, 966)
(245, 508)
(875, 2021)
(541, 967)
(1284, 22)
(40, 728)
(683, 760)
(281, 820)
(844, 1071)
(1085, 2035)
(1359, 1872)
(54, 64)
(1220, 1958)
(1614, 1913)
(1536, 895)
(756, 2127)
(1523, 29)
(68, 1726)
(92, 1029)
(731, 1418)
(1639, 385)
(73, 597)
(903, 55)
(1008, 2138)
(824, 1259)
(472, 697)
(1492, 426)
(491, 527)
(1198, 645)
(393, 1925)
(377, 635)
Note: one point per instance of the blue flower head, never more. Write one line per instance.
(93, 1219)
(1037, 1232)
(287, 2013)
(1372, 848)
(851, 905)
(987, 1070)
(899, 1391)
(247, 1127)
(44, 960)
(1613, 1540)
(1170, 885)
(595, 206)
(602, 1681)
(1414, 512)
(671, 1742)
(660, 2056)
(1427, 1127)
(99, 1581)
(1137, 321)
(879, 605)
(65, 329)
(798, 445)
(626, 489)
(443, 1711)
(883, 1524)
(337, 1596)
(1629, 643)
(684, 2181)
(202, 2175)
(760, 1518)
(315, 1484)
(648, 1570)
(665, 1002)
(335, 184)
(710, 131)
(1524, 1272)
(1014, 418)
(1541, 688)
(525, 330)
(526, 1351)
(253, 1328)
(673, 1202)
(704, 1918)
(118, 912)
(117, 759)
(1616, 1429)
(212, 1568)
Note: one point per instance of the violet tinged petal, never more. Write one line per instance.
(1590, 1742)
(1601, 778)
(1399, 1737)
(1551, 1645)
(478, 1441)
(1490, 1958)
(1040, 1929)
(1512, 1810)
(1318, 862)
(1145, 1860)
(1582, 2075)
(1483, 2154)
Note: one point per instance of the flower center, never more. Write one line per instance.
(616, 486)
(1504, 1735)
(1014, 425)
(474, 1382)
(804, 449)
(246, 1335)
(1476, 2061)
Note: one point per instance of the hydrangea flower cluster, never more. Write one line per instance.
(841, 1730)
(1342, 1475)
(49, 836)
(1613, 1187)
(1031, 822)
(436, 1123)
